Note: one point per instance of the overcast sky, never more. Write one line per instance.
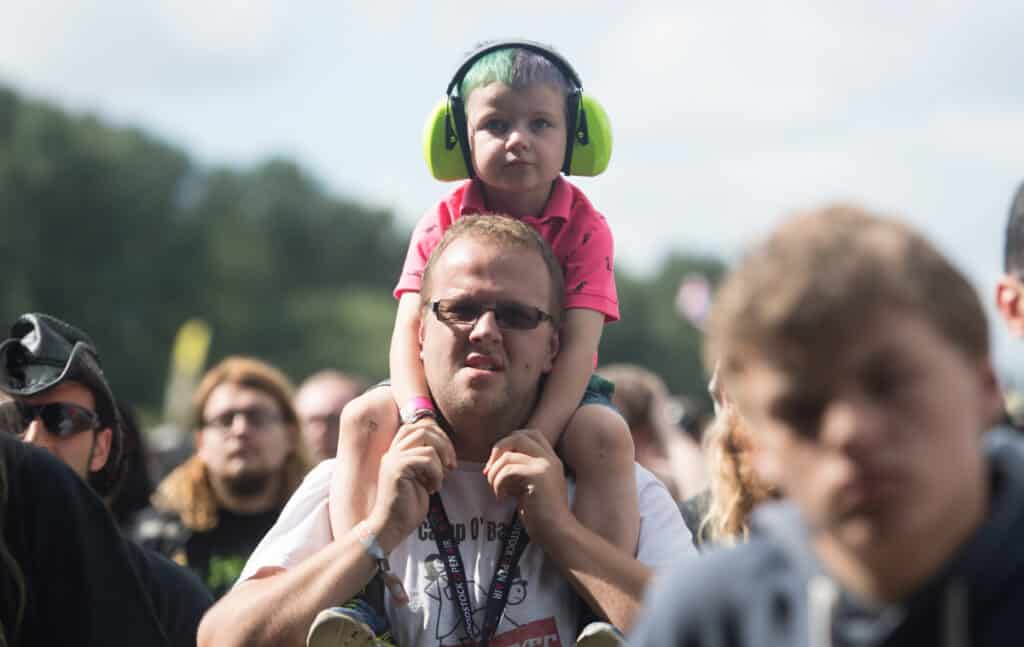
(726, 115)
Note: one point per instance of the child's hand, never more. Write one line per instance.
(446, 451)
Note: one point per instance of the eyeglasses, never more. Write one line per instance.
(508, 314)
(254, 417)
(62, 419)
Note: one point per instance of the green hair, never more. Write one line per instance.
(515, 67)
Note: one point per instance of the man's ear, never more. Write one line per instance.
(554, 343)
(100, 449)
(1010, 303)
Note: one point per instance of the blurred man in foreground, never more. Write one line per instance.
(860, 358)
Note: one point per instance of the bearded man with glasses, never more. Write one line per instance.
(211, 511)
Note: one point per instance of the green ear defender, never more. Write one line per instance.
(441, 147)
(589, 134)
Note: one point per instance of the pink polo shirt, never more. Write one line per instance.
(577, 233)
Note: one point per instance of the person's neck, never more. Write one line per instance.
(892, 574)
(255, 503)
(517, 204)
(475, 436)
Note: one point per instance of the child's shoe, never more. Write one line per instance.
(357, 624)
(600, 634)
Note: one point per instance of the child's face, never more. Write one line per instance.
(517, 137)
(879, 441)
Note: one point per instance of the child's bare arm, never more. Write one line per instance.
(369, 423)
(407, 377)
(579, 338)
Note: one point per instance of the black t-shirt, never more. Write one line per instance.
(218, 555)
(80, 584)
(179, 597)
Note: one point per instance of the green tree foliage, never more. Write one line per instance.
(126, 236)
(652, 333)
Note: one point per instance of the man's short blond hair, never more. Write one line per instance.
(814, 283)
(505, 233)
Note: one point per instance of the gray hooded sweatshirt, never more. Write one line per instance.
(772, 591)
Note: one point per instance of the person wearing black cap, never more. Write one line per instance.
(51, 370)
(61, 401)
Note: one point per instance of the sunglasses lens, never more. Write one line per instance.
(459, 311)
(515, 316)
(67, 419)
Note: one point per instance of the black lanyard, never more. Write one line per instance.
(512, 548)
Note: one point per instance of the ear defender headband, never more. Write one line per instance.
(588, 131)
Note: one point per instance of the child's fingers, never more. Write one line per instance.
(427, 432)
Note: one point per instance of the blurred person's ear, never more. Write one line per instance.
(100, 449)
(1010, 303)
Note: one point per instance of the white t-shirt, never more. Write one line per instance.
(541, 607)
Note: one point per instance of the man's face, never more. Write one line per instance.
(481, 369)
(319, 406)
(84, 452)
(243, 441)
(879, 444)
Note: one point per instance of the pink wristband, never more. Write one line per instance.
(419, 402)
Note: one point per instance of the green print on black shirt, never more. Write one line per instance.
(219, 555)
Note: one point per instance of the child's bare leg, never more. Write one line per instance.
(598, 447)
(368, 424)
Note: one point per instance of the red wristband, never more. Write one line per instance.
(419, 402)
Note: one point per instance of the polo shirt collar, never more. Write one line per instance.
(559, 202)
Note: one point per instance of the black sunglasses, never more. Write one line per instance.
(62, 419)
(508, 314)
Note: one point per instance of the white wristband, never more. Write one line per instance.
(372, 546)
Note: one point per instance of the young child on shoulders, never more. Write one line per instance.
(515, 112)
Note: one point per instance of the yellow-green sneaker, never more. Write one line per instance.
(356, 624)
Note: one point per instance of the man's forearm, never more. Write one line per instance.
(279, 608)
(611, 581)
